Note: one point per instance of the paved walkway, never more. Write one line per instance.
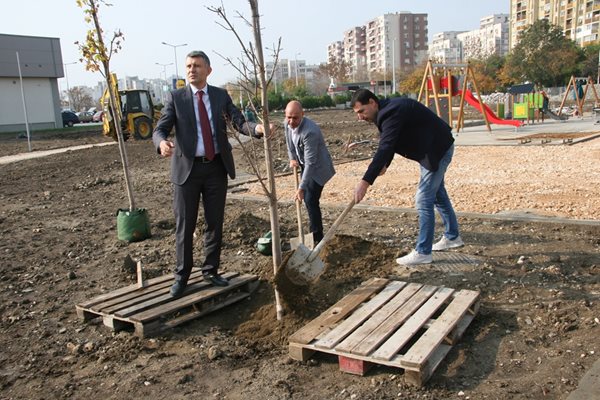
(507, 135)
(45, 153)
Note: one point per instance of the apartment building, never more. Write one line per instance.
(294, 69)
(579, 19)
(355, 52)
(492, 37)
(389, 42)
(446, 48)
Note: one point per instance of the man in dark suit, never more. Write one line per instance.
(307, 150)
(201, 160)
(408, 128)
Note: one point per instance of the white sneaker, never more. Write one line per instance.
(445, 244)
(414, 258)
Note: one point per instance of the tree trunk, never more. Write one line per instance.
(272, 195)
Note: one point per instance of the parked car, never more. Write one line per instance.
(85, 116)
(98, 116)
(69, 118)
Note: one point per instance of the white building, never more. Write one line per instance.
(492, 37)
(294, 69)
(389, 42)
(41, 65)
(446, 48)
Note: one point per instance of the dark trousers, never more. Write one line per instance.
(207, 182)
(312, 197)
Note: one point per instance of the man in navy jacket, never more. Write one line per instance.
(408, 128)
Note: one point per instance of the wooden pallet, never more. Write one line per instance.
(150, 309)
(406, 325)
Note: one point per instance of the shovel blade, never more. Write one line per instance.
(299, 269)
(308, 241)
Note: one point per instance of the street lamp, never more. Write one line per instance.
(164, 68)
(175, 46)
(296, 66)
(67, 78)
(162, 87)
(394, 66)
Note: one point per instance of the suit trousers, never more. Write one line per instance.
(312, 197)
(207, 182)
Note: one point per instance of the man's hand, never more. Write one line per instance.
(300, 195)
(260, 130)
(360, 190)
(166, 148)
(294, 164)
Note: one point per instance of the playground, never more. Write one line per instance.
(448, 88)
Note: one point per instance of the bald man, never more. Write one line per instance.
(307, 150)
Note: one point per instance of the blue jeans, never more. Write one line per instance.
(431, 192)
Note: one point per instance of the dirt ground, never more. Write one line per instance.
(534, 336)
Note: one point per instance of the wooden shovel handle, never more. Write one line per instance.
(313, 254)
(298, 211)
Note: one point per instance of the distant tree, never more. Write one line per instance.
(487, 71)
(543, 56)
(81, 100)
(338, 70)
(589, 63)
(411, 83)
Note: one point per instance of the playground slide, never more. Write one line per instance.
(491, 117)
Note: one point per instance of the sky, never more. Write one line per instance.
(305, 28)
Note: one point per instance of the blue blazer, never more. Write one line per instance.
(408, 128)
(179, 113)
(312, 153)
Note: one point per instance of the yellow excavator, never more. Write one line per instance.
(138, 115)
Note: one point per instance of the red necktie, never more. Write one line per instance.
(209, 146)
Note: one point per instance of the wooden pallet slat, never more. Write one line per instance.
(395, 342)
(394, 320)
(423, 321)
(443, 325)
(342, 330)
(338, 311)
(151, 309)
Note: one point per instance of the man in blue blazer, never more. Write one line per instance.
(307, 150)
(408, 128)
(201, 160)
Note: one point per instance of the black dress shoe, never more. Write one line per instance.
(215, 279)
(177, 289)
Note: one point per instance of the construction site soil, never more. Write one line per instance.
(535, 335)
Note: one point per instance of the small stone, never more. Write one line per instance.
(74, 348)
(89, 347)
(71, 275)
(214, 352)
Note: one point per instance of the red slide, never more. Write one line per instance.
(491, 117)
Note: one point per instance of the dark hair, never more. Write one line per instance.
(201, 54)
(363, 96)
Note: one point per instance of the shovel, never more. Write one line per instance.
(304, 265)
(301, 239)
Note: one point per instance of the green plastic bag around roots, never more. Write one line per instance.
(133, 225)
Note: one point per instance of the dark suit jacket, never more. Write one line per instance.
(179, 113)
(408, 128)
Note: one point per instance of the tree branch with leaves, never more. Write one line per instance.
(97, 55)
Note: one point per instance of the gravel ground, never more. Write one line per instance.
(556, 181)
